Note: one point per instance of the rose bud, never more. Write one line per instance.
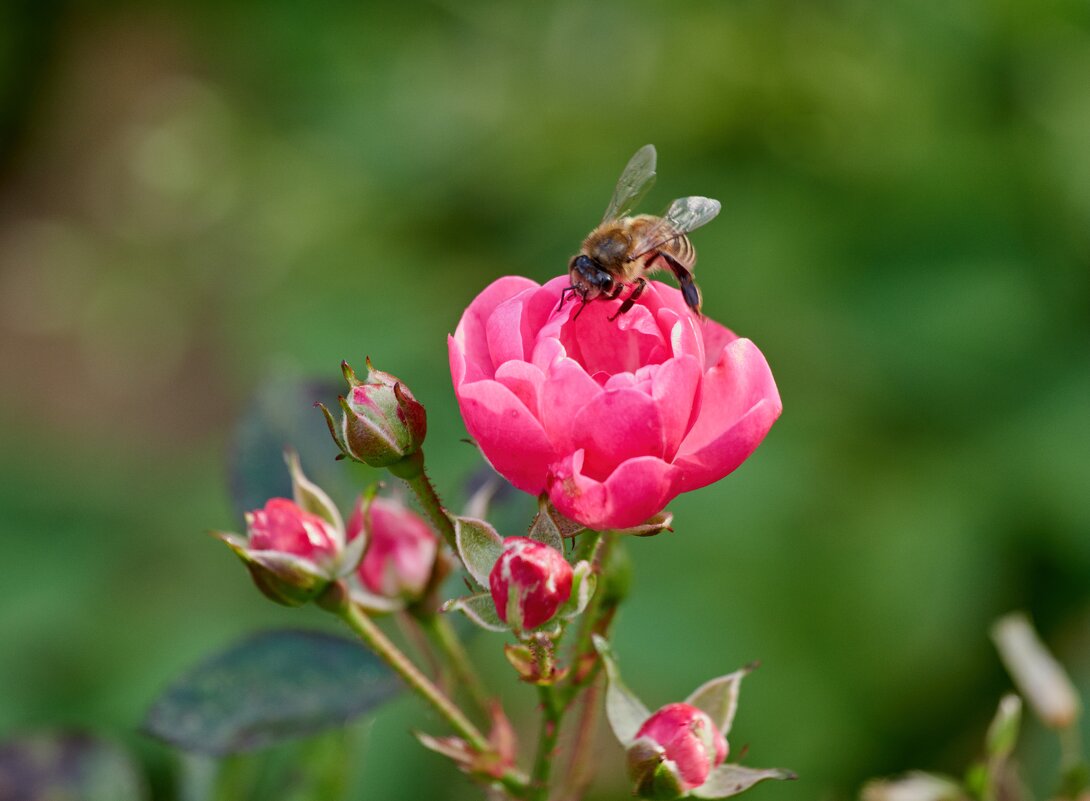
(295, 548)
(382, 421)
(529, 583)
(674, 751)
(401, 549)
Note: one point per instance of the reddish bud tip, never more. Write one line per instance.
(529, 583)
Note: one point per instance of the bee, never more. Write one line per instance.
(618, 253)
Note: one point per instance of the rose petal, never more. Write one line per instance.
(523, 379)
(716, 337)
(566, 391)
(634, 492)
(615, 426)
(740, 403)
(674, 389)
(510, 438)
(471, 334)
(621, 345)
(505, 330)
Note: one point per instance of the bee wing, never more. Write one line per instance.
(635, 182)
(684, 215)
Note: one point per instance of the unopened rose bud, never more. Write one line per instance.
(529, 583)
(674, 752)
(289, 552)
(283, 526)
(295, 549)
(382, 422)
(401, 549)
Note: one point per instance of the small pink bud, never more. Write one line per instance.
(533, 578)
(400, 552)
(382, 422)
(283, 526)
(688, 738)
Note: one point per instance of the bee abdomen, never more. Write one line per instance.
(682, 250)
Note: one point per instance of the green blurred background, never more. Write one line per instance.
(199, 198)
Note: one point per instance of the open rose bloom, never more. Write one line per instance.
(611, 419)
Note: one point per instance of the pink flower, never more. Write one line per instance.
(400, 551)
(689, 739)
(612, 419)
(530, 582)
(282, 526)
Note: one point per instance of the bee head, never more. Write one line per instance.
(588, 274)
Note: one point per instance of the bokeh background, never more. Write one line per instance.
(200, 201)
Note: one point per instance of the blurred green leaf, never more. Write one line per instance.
(270, 687)
(68, 767)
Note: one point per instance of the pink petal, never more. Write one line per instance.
(505, 332)
(471, 334)
(716, 337)
(682, 333)
(523, 379)
(675, 390)
(508, 434)
(566, 391)
(617, 425)
(622, 345)
(637, 490)
(740, 403)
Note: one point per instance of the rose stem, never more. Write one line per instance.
(411, 471)
(442, 635)
(552, 714)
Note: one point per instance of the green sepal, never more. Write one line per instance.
(727, 780)
(479, 546)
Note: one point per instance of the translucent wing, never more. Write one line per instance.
(635, 182)
(684, 215)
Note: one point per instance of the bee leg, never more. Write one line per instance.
(579, 311)
(564, 296)
(617, 289)
(630, 301)
(689, 290)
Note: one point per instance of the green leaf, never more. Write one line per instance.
(71, 766)
(280, 415)
(727, 780)
(270, 687)
(719, 698)
(626, 713)
(479, 545)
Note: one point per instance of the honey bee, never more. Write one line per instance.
(622, 249)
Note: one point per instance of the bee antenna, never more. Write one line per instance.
(579, 311)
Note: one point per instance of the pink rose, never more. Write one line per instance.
(612, 419)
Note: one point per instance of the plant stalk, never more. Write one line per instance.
(411, 471)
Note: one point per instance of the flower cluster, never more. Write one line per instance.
(605, 410)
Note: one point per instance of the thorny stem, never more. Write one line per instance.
(378, 642)
(411, 471)
(440, 632)
(336, 601)
(552, 713)
(595, 618)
